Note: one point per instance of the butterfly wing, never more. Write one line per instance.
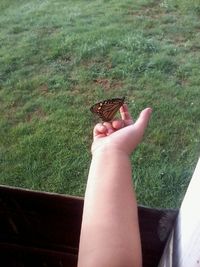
(107, 109)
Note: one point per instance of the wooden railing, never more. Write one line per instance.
(42, 229)
(183, 246)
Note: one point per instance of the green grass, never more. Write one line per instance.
(59, 57)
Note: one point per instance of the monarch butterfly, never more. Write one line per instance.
(107, 109)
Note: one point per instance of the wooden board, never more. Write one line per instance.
(42, 229)
(183, 246)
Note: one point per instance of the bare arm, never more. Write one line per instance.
(110, 232)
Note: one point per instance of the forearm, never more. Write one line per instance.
(110, 230)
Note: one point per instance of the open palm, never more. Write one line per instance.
(123, 134)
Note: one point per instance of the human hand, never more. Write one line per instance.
(123, 135)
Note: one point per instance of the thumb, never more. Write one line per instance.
(144, 117)
(132, 134)
(142, 121)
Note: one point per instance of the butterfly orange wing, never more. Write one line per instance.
(107, 109)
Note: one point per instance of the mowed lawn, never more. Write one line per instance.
(58, 57)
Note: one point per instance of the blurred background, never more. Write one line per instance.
(59, 57)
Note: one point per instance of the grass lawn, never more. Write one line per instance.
(59, 57)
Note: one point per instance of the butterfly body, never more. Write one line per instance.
(107, 109)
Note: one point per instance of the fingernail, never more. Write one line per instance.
(110, 131)
(150, 110)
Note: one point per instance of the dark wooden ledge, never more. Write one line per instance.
(42, 229)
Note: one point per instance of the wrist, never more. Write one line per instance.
(110, 163)
(108, 151)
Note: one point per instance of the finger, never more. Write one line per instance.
(138, 128)
(143, 120)
(125, 115)
(99, 130)
(117, 124)
(108, 127)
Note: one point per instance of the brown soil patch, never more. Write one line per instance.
(38, 113)
(108, 84)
